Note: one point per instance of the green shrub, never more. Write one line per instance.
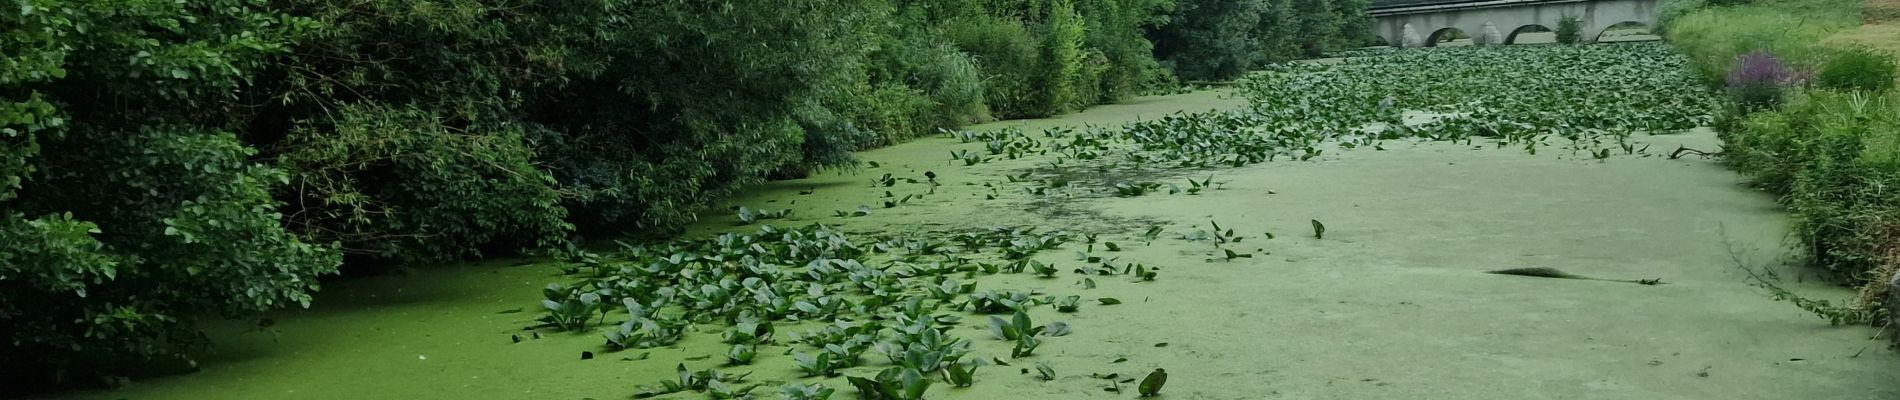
(1569, 30)
(694, 102)
(1058, 85)
(1858, 69)
(914, 75)
(1353, 25)
(1316, 26)
(1274, 32)
(1833, 157)
(1008, 56)
(126, 212)
(404, 125)
(1217, 40)
(889, 112)
(138, 235)
(439, 194)
(1114, 30)
(1838, 197)
(1214, 40)
(1088, 80)
(1668, 11)
(954, 83)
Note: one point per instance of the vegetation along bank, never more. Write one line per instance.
(1813, 118)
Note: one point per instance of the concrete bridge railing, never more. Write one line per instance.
(1500, 21)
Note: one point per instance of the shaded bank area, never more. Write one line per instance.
(1392, 302)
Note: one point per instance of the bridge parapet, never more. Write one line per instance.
(1486, 20)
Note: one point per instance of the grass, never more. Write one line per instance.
(1792, 30)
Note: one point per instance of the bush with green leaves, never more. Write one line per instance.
(1832, 157)
(1007, 53)
(1858, 69)
(1061, 77)
(401, 124)
(1353, 24)
(1217, 40)
(1046, 57)
(1316, 25)
(128, 208)
(910, 82)
(447, 191)
(1570, 30)
(1114, 30)
(1214, 40)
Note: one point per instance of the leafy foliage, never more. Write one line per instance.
(460, 190)
(893, 384)
(1828, 154)
(1213, 40)
(126, 220)
(1859, 69)
(1570, 30)
(1315, 23)
(1046, 57)
(884, 294)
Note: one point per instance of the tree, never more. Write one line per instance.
(1210, 39)
(127, 208)
(1354, 25)
(1316, 26)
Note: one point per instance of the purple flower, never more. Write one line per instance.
(1758, 68)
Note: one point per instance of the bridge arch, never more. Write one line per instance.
(1445, 34)
(1615, 32)
(1534, 29)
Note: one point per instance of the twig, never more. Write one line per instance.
(1684, 149)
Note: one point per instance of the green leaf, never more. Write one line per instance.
(1151, 385)
(914, 384)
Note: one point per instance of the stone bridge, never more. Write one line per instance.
(1422, 23)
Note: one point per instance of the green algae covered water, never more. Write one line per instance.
(1392, 302)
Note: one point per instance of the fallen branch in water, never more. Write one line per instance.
(1685, 149)
(1547, 272)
